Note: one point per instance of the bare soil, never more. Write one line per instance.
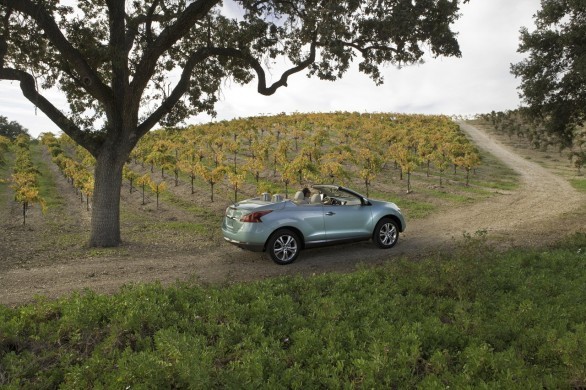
(47, 257)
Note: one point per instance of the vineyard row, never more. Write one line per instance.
(270, 154)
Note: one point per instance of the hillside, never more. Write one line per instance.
(47, 257)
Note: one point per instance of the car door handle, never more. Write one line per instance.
(330, 213)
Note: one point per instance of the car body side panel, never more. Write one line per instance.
(308, 219)
(382, 209)
(348, 222)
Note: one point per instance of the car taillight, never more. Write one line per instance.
(255, 216)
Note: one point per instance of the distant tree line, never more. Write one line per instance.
(11, 129)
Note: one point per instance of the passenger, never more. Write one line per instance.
(306, 193)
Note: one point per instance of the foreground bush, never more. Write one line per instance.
(515, 320)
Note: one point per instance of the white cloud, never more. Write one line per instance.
(478, 82)
(15, 107)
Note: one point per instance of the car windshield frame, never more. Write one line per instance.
(335, 191)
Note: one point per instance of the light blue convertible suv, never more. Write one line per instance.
(331, 215)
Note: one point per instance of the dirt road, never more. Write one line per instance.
(526, 216)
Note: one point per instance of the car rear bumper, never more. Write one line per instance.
(246, 245)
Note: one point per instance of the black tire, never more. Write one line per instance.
(386, 233)
(284, 246)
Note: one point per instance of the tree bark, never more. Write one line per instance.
(105, 229)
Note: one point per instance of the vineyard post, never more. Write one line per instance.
(144, 181)
(157, 188)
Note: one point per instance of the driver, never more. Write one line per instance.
(331, 201)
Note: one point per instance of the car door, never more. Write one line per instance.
(309, 219)
(347, 222)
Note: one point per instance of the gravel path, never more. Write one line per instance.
(525, 216)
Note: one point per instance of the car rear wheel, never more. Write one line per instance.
(386, 233)
(284, 246)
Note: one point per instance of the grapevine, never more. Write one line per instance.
(25, 178)
(273, 153)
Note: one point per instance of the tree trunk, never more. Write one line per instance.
(105, 229)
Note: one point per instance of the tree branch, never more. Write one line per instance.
(364, 49)
(132, 27)
(91, 81)
(4, 39)
(254, 64)
(179, 90)
(29, 90)
(119, 55)
(149, 22)
(3, 50)
(168, 37)
(202, 54)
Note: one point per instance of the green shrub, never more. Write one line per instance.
(476, 319)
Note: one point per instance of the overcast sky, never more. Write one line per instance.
(478, 82)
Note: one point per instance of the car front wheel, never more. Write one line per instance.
(386, 233)
(284, 246)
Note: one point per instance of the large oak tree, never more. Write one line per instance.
(126, 66)
(553, 77)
